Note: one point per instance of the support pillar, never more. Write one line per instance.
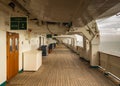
(75, 40)
(67, 41)
(94, 48)
(86, 49)
(71, 41)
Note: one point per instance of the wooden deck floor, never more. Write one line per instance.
(62, 68)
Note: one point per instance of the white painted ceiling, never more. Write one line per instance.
(80, 12)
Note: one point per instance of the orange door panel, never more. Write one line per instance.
(12, 54)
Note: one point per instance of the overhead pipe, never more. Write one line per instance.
(21, 7)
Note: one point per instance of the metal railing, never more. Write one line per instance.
(110, 63)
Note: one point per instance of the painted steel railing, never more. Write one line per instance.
(110, 63)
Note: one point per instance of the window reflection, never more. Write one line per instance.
(16, 43)
(11, 45)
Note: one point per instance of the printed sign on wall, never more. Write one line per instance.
(18, 23)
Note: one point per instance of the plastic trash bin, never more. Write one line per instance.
(44, 50)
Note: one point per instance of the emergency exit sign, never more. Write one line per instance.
(18, 23)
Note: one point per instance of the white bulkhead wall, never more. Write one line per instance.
(43, 40)
(2, 56)
(25, 44)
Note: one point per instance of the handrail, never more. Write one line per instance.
(110, 62)
(111, 53)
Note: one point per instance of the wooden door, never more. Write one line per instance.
(12, 54)
(16, 52)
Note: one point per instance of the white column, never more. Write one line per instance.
(72, 41)
(94, 48)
